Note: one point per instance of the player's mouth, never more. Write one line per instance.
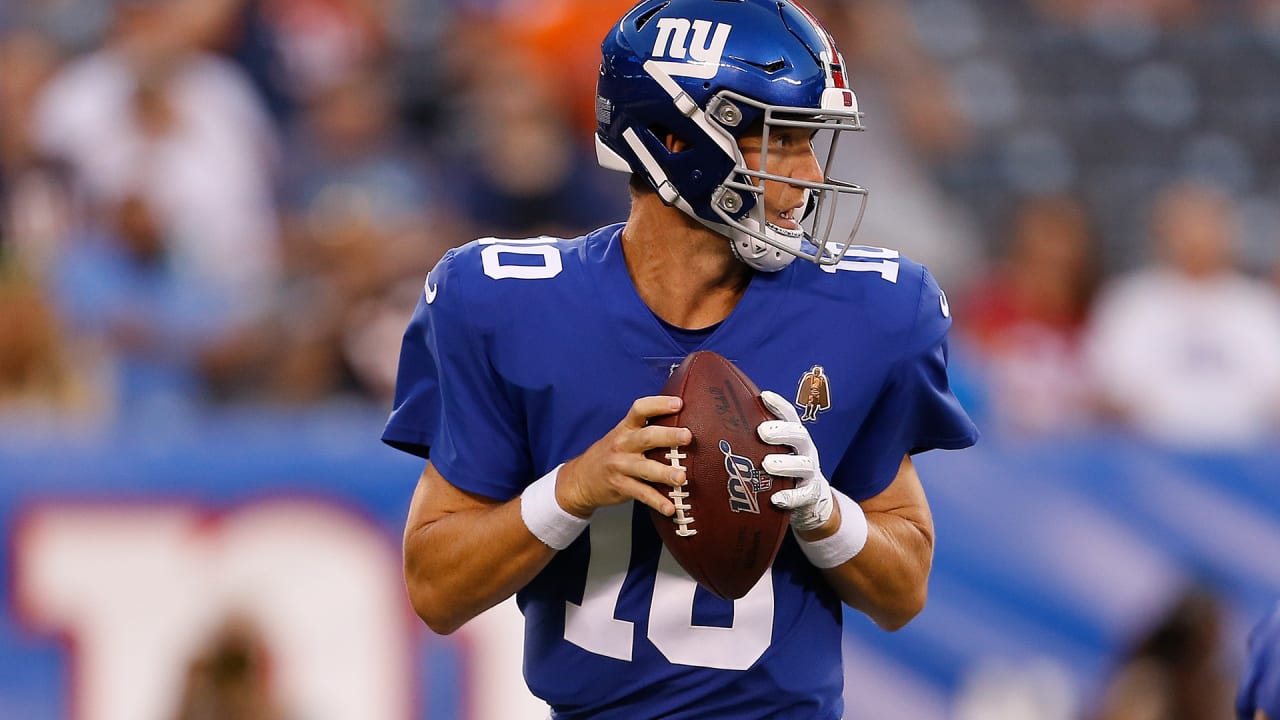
(788, 221)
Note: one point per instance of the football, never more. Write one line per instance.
(725, 533)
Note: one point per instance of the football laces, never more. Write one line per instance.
(682, 517)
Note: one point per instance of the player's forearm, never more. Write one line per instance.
(888, 580)
(466, 562)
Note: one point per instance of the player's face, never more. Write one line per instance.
(790, 155)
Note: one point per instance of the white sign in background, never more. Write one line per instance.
(138, 589)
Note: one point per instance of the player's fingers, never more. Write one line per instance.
(782, 499)
(649, 485)
(650, 406)
(654, 497)
(783, 432)
(659, 436)
(779, 406)
(795, 498)
(626, 468)
(797, 466)
(662, 473)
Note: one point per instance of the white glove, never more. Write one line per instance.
(810, 502)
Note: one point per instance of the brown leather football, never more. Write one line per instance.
(725, 533)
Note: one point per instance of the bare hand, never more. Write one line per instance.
(615, 470)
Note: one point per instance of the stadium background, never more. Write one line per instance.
(209, 250)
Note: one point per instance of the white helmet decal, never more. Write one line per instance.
(704, 55)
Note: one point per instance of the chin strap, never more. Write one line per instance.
(762, 256)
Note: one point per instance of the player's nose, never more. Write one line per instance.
(808, 168)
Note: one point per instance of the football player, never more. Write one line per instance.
(1259, 696)
(528, 373)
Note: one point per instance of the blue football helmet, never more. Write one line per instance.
(709, 72)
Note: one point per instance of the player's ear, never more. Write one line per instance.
(675, 144)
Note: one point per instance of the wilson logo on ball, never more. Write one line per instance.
(745, 481)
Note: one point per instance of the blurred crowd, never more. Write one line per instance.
(209, 202)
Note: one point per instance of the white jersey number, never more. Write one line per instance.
(864, 258)
(538, 260)
(593, 626)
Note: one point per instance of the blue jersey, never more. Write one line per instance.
(521, 354)
(1260, 687)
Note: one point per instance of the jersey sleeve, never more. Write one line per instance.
(915, 410)
(415, 414)
(450, 405)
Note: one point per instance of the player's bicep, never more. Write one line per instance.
(435, 497)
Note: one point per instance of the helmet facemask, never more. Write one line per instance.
(760, 243)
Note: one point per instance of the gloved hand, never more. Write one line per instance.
(810, 502)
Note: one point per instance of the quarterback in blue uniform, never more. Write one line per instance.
(529, 371)
(1259, 696)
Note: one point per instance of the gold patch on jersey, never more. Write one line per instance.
(814, 394)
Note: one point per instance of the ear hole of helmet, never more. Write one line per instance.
(673, 142)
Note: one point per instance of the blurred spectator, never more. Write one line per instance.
(119, 287)
(46, 373)
(230, 679)
(1175, 670)
(293, 49)
(522, 168)
(348, 162)
(1259, 695)
(34, 197)
(71, 24)
(1095, 12)
(42, 376)
(1187, 351)
(369, 223)
(552, 43)
(151, 115)
(1023, 322)
(320, 40)
(362, 218)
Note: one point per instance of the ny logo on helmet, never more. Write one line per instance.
(703, 53)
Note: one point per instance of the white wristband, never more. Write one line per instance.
(542, 514)
(845, 543)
